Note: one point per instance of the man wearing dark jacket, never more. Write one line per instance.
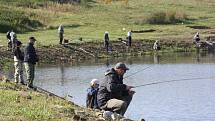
(113, 95)
(30, 59)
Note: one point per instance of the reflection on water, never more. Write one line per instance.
(192, 100)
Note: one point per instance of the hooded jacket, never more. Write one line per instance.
(111, 87)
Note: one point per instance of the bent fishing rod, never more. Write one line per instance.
(132, 74)
(176, 80)
(140, 70)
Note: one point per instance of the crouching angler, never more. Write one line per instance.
(113, 95)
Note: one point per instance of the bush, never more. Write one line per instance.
(168, 17)
(24, 3)
(16, 20)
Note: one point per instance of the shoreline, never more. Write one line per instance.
(73, 52)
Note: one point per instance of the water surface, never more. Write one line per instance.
(188, 100)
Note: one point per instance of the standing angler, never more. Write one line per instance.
(113, 95)
(30, 59)
(129, 37)
(18, 63)
(106, 40)
(9, 44)
(61, 32)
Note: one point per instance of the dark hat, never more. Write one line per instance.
(121, 65)
(18, 43)
(32, 38)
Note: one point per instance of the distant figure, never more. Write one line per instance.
(92, 91)
(61, 32)
(30, 59)
(156, 45)
(106, 40)
(196, 38)
(13, 39)
(9, 44)
(129, 37)
(18, 63)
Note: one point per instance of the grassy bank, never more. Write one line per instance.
(20, 103)
(90, 22)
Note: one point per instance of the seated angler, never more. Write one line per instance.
(92, 91)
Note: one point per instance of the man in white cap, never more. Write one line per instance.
(113, 95)
(91, 101)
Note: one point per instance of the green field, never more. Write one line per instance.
(91, 20)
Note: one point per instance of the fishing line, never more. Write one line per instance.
(141, 70)
(132, 74)
(176, 80)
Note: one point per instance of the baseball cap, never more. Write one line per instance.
(32, 38)
(121, 65)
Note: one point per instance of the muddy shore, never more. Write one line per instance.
(74, 52)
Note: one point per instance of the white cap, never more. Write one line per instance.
(106, 32)
(94, 81)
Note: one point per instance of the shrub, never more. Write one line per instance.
(168, 17)
(16, 20)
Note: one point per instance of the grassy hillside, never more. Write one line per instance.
(169, 18)
(22, 104)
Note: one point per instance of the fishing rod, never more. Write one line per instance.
(140, 71)
(176, 80)
(132, 74)
(39, 89)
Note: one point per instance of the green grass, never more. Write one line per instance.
(91, 22)
(18, 103)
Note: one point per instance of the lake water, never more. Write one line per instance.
(188, 99)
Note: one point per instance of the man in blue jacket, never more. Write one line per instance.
(113, 95)
(30, 59)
